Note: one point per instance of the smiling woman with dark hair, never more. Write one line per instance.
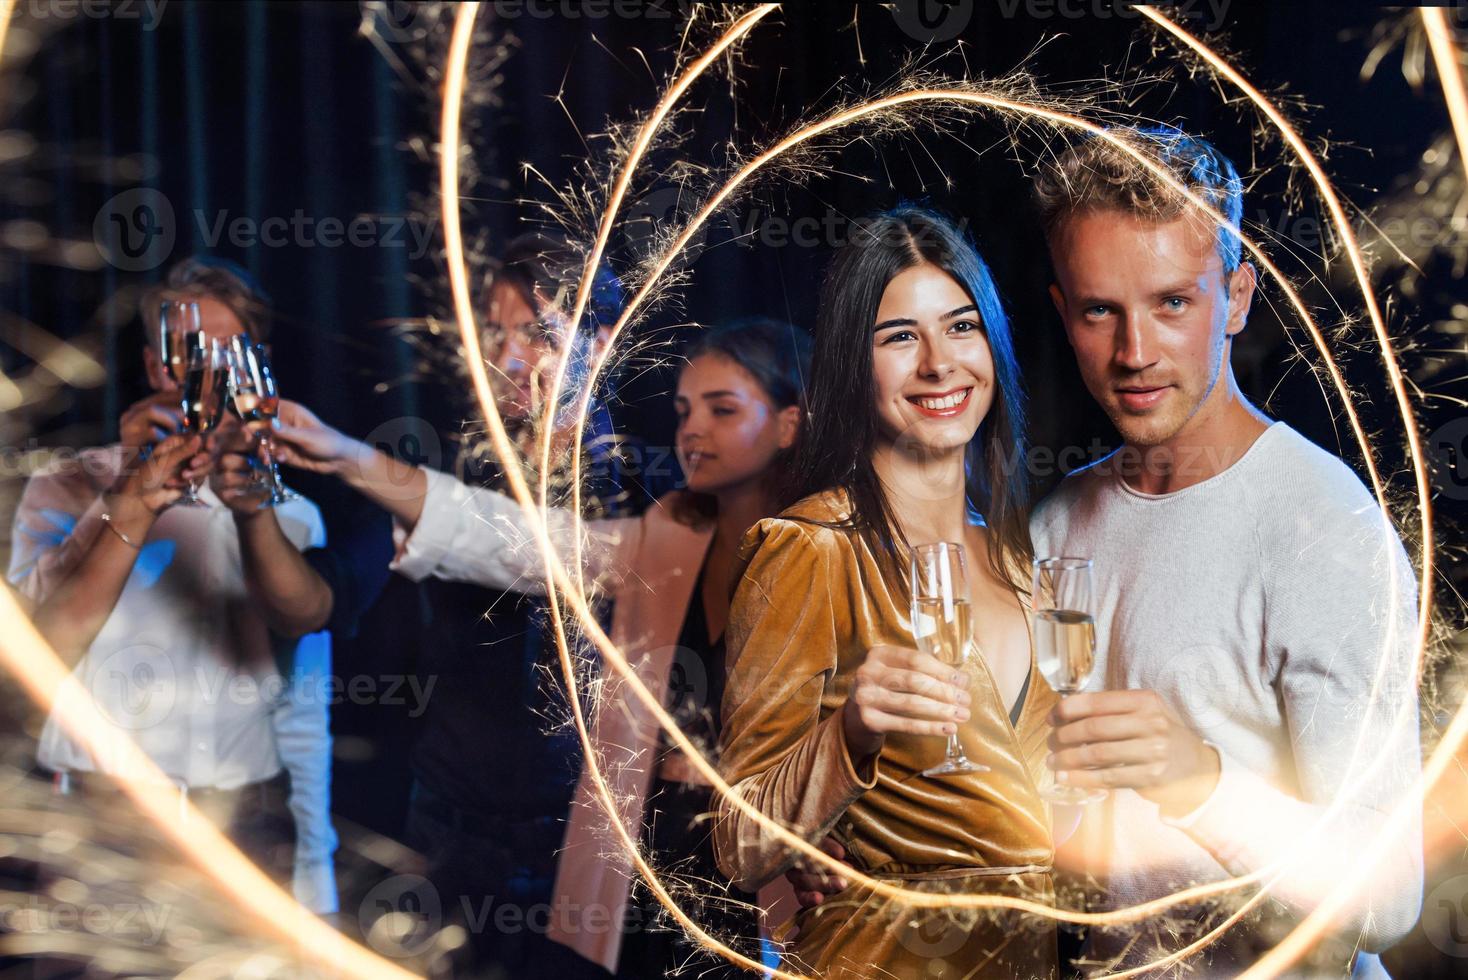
(830, 718)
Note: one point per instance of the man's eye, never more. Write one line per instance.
(1096, 312)
(1175, 304)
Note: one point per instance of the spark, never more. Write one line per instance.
(900, 99)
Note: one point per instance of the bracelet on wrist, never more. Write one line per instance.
(112, 525)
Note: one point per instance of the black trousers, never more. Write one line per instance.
(494, 875)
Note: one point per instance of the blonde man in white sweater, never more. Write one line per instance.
(1254, 705)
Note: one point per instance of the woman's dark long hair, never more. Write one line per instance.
(839, 433)
(775, 354)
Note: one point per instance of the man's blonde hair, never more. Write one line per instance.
(1093, 175)
(218, 278)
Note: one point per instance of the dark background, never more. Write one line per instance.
(263, 109)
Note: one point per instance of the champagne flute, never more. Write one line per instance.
(941, 624)
(1064, 606)
(202, 400)
(178, 322)
(257, 402)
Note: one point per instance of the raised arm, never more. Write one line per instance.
(286, 591)
(448, 529)
(78, 602)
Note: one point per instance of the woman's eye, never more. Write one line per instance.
(898, 335)
(966, 326)
(723, 410)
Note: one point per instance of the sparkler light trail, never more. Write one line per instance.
(613, 206)
(1338, 214)
(43, 674)
(26, 654)
(614, 657)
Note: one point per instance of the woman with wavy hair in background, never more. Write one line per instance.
(830, 718)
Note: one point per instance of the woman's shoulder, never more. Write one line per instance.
(815, 523)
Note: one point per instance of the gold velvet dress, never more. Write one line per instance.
(811, 602)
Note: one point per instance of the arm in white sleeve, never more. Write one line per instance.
(472, 534)
(303, 738)
(1349, 694)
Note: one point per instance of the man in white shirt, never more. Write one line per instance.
(1253, 707)
(153, 609)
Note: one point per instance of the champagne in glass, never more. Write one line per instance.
(257, 402)
(1064, 621)
(178, 328)
(202, 400)
(941, 624)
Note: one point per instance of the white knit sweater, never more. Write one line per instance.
(1258, 603)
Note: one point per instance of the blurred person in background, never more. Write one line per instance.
(153, 607)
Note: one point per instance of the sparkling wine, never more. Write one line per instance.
(203, 387)
(174, 353)
(248, 405)
(1065, 647)
(943, 633)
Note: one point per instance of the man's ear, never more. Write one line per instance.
(1240, 296)
(789, 425)
(1058, 298)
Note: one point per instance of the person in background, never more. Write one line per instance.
(492, 788)
(739, 403)
(153, 606)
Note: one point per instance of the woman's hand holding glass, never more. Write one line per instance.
(304, 441)
(157, 482)
(898, 689)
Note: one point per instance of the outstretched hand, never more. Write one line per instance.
(302, 440)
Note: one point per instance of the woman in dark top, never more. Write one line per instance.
(670, 574)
